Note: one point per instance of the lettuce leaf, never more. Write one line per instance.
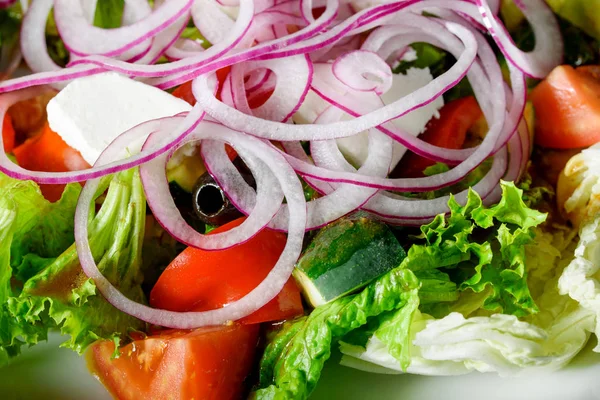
(498, 343)
(580, 278)
(293, 360)
(584, 14)
(109, 13)
(55, 293)
(483, 251)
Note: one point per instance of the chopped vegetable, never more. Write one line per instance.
(459, 343)
(194, 280)
(208, 363)
(109, 13)
(582, 13)
(46, 288)
(578, 189)
(293, 361)
(8, 134)
(579, 280)
(344, 257)
(48, 152)
(567, 108)
(448, 131)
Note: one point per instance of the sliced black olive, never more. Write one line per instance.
(184, 202)
(211, 204)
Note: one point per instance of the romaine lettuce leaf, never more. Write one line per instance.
(293, 361)
(498, 343)
(55, 293)
(109, 13)
(580, 278)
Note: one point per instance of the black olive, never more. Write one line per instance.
(184, 200)
(211, 204)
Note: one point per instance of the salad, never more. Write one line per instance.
(208, 197)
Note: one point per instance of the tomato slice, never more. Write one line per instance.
(199, 280)
(8, 134)
(448, 131)
(48, 152)
(567, 108)
(207, 363)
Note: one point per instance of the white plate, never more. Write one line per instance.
(50, 373)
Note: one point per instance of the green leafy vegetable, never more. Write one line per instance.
(10, 22)
(467, 182)
(109, 13)
(580, 47)
(427, 56)
(502, 343)
(55, 293)
(534, 195)
(438, 61)
(293, 361)
(580, 278)
(584, 14)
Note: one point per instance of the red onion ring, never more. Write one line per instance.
(254, 300)
(370, 66)
(83, 39)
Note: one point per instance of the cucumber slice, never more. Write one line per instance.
(345, 256)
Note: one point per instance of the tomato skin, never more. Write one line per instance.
(567, 107)
(8, 134)
(184, 91)
(449, 131)
(48, 152)
(207, 363)
(199, 280)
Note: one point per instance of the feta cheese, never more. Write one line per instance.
(89, 113)
(355, 148)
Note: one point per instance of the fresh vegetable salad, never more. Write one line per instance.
(206, 198)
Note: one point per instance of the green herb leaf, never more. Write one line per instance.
(109, 13)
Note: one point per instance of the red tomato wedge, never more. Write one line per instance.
(48, 152)
(208, 364)
(8, 134)
(448, 131)
(567, 108)
(199, 280)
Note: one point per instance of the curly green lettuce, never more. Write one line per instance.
(467, 339)
(42, 284)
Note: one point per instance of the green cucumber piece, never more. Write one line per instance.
(345, 256)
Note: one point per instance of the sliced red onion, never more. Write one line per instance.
(392, 207)
(277, 131)
(33, 39)
(164, 40)
(259, 296)
(7, 3)
(548, 51)
(83, 39)
(134, 11)
(266, 203)
(321, 211)
(363, 71)
(184, 48)
(294, 76)
(212, 22)
(205, 63)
